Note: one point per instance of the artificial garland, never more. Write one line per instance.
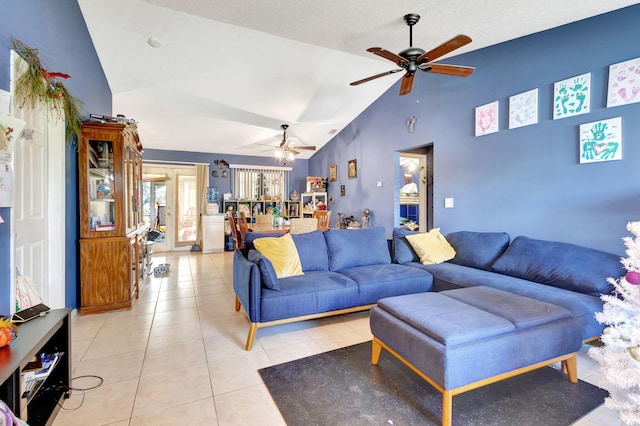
(37, 84)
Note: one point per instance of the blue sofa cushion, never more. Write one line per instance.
(385, 280)
(311, 293)
(268, 275)
(312, 249)
(402, 250)
(562, 265)
(478, 249)
(357, 247)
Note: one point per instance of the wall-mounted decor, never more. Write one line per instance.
(225, 174)
(523, 109)
(342, 190)
(315, 184)
(601, 141)
(624, 83)
(221, 163)
(214, 173)
(333, 172)
(352, 168)
(487, 119)
(572, 96)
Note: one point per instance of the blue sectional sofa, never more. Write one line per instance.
(350, 270)
(344, 271)
(566, 275)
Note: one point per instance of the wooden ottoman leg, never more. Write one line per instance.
(237, 304)
(376, 348)
(447, 406)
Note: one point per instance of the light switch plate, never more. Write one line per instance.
(448, 203)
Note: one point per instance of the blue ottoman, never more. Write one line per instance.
(459, 340)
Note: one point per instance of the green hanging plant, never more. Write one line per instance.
(39, 85)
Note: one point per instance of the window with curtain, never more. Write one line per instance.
(255, 182)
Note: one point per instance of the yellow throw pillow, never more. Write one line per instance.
(282, 253)
(431, 247)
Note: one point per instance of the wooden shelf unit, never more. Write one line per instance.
(48, 334)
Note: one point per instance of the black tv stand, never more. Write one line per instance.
(45, 334)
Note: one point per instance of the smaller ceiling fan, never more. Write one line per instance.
(287, 151)
(413, 59)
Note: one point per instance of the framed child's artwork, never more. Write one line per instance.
(572, 96)
(601, 141)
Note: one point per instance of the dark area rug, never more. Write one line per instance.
(341, 387)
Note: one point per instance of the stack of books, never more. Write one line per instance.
(36, 372)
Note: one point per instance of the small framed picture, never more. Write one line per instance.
(342, 190)
(352, 169)
(333, 172)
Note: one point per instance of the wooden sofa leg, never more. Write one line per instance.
(571, 366)
(237, 304)
(252, 335)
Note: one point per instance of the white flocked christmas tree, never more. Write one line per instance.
(619, 356)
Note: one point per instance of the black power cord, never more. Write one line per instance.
(68, 389)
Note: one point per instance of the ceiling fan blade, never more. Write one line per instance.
(383, 53)
(310, 148)
(455, 70)
(407, 84)
(294, 151)
(373, 77)
(446, 47)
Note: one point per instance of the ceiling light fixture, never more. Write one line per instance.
(284, 154)
(154, 42)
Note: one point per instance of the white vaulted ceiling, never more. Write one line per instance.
(229, 73)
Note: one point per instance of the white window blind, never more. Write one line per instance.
(254, 182)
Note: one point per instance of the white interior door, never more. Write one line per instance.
(39, 191)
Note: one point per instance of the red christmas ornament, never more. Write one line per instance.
(633, 278)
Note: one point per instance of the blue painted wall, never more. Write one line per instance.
(525, 181)
(297, 177)
(57, 29)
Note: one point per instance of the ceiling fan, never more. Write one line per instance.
(413, 59)
(287, 151)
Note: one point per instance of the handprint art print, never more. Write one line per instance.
(572, 96)
(601, 141)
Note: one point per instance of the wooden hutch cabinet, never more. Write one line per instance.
(112, 230)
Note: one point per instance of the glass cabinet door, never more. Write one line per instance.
(101, 186)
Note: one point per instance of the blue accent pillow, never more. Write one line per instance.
(402, 250)
(478, 249)
(562, 265)
(268, 275)
(349, 248)
(312, 249)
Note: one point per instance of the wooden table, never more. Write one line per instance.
(267, 228)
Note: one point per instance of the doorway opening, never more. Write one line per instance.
(415, 210)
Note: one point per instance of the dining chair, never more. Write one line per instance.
(302, 226)
(242, 225)
(323, 217)
(264, 218)
(238, 242)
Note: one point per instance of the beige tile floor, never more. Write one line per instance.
(178, 358)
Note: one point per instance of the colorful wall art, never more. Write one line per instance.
(487, 119)
(624, 83)
(572, 96)
(601, 141)
(523, 109)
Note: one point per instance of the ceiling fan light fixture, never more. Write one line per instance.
(154, 42)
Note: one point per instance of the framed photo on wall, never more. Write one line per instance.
(333, 172)
(352, 168)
